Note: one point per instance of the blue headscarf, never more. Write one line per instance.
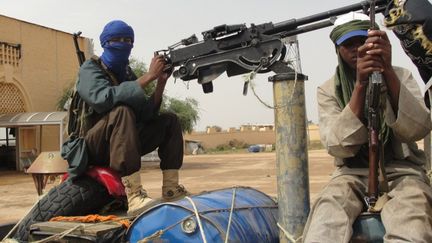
(116, 55)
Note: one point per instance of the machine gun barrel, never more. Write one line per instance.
(292, 26)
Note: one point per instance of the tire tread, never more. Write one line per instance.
(81, 197)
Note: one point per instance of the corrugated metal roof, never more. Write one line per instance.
(32, 118)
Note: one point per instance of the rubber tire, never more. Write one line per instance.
(81, 197)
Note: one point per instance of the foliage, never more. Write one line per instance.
(140, 68)
(237, 144)
(223, 147)
(186, 110)
(233, 146)
(66, 94)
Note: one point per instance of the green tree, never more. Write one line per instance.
(64, 97)
(139, 68)
(186, 110)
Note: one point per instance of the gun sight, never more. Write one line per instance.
(222, 30)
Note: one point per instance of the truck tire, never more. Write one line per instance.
(81, 197)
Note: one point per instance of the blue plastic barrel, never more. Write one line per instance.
(253, 218)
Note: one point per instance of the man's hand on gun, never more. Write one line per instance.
(374, 55)
(380, 46)
(155, 72)
(157, 66)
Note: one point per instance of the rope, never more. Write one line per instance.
(198, 219)
(159, 233)
(85, 219)
(152, 237)
(251, 76)
(230, 215)
(60, 235)
(94, 218)
(98, 219)
(288, 235)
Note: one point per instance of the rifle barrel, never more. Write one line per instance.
(80, 54)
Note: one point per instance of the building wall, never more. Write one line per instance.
(46, 65)
(50, 135)
(213, 139)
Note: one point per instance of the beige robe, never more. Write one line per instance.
(407, 216)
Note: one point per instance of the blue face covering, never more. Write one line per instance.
(116, 58)
(116, 54)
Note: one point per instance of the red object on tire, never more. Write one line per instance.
(106, 176)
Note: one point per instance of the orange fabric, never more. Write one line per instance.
(93, 218)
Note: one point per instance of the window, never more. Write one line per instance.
(11, 99)
(10, 54)
(7, 136)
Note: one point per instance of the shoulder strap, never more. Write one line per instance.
(111, 76)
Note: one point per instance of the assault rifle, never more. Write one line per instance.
(238, 49)
(80, 54)
(374, 124)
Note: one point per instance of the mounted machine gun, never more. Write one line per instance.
(238, 49)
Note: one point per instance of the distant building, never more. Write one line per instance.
(248, 134)
(213, 129)
(232, 129)
(245, 128)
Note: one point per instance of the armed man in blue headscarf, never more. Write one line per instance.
(119, 123)
(407, 215)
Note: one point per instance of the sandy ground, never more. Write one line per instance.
(199, 173)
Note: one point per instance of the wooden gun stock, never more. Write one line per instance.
(373, 167)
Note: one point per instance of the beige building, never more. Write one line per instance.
(36, 65)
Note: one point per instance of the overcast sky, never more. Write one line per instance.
(158, 24)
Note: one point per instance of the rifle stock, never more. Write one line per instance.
(373, 167)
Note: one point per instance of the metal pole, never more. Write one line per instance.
(7, 137)
(427, 150)
(427, 145)
(291, 153)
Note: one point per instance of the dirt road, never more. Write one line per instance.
(199, 173)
